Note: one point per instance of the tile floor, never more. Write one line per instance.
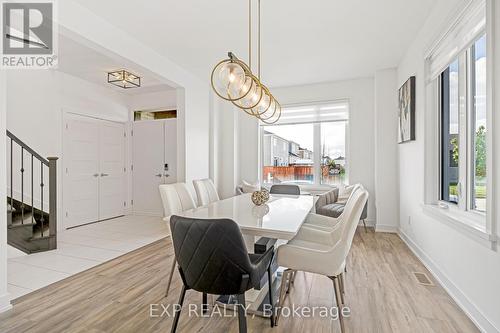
(80, 249)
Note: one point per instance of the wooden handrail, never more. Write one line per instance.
(27, 148)
(51, 164)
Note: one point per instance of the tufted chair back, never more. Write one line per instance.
(285, 189)
(212, 256)
(176, 198)
(205, 191)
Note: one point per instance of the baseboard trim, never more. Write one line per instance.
(5, 303)
(386, 228)
(138, 213)
(483, 324)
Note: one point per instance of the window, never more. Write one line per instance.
(463, 129)
(450, 140)
(288, 152)
(154, 115)
(479, 125)
(307, 145)
(333, 161)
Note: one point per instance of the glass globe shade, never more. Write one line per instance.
(228, 79)
(253, 98)
(263, 105)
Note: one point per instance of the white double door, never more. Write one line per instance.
(94, 170)
(154, 163)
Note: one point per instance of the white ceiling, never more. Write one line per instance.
(91, 65)
(303, 41)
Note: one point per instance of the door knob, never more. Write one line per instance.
(158, 175)
(166, 175)
(104, 175)
(96, 175)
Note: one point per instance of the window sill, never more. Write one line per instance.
(467, 222)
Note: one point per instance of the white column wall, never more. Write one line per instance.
(4, 296)
(193, 112)
(386, 160)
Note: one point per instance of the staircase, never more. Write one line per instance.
(31, 219)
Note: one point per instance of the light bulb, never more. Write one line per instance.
(228, 79)
(253, 97)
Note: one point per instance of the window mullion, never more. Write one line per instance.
(470, 129)
(317, 153)
(463, 137)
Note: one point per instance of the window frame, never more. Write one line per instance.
(466, 163)
(479, 225)
(316, 141)
(459, 32)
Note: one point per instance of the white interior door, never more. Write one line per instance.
(148, 162)
(112, 172)
(170, 163)
(81, 163)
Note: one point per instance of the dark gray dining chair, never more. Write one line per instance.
(285, 189)
(212, 258)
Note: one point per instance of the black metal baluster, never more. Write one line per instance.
(32, 196)
(11, 178)
(22, 185)
(41, 196)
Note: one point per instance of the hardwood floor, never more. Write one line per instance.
(381, 291)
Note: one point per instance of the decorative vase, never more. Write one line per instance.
(260, 197)
(260, 211)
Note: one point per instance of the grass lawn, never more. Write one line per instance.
(480, 191)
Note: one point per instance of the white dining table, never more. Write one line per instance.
(280, 218)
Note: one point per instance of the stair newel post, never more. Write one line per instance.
(42, 219)
(22, 185)
(53, 202)
(32, 190)
(11, 177)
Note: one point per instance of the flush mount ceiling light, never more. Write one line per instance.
(124, 79)
(232, 80)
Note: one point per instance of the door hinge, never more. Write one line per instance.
(124, 204)
(66, 125)
(132, 167)
(131, 202)
(66, 214)
(124, 134)
(124, 169)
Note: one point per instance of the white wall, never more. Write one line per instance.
(248, 154)
(162, 100)
(225, 167)
(4, 296)
(38, 120)
(469, 269)
(234, 145)
(386, 158)
(192, 93)
(361, 143)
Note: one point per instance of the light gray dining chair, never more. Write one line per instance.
(285, 189)
(205, 191)
(176, 198)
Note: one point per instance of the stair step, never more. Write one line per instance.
(33, 239)
(16, 220)
(22, 225)
(37, 232)
(10, 209)
(25, 228)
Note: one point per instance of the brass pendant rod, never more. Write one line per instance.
(250, 34)
(259, 41)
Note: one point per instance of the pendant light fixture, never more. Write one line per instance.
(232, 80)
